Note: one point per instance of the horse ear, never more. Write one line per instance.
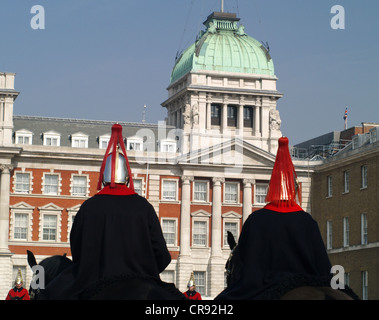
(31, 259)
(64, 255)
(232, 243)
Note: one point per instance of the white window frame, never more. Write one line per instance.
(230, 217)
(168, 146)
(364, 229)
(329, 186)
(346, 181)
(81, 139)
(70, 218)
(44, 184)
(256, 195)
(135, 144)
(204, 221)
(73, 186)
(21, 208)
(364, 177)
(23, 133)
(346, 232)
(175, 233)
(51, 135)
(50, 210)
(163, 196)
(142, 193)
(104, 141)
(229, 183)
(15, 182)
(329, 235)
(201, 284)
(194, 192)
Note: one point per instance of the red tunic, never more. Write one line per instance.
(18, 294)
(192, 295)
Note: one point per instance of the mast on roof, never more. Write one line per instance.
(222, 5)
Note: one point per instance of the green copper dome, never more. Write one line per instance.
(224, 46)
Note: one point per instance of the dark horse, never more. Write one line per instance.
(234, 264)
(121, 287)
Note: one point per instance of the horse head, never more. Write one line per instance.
(233, 261)
(52, 266)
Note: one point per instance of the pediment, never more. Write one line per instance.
(22, 206)
(231, 215)
(74, 208)
(201, 214)
(234, 152)
(50, 207)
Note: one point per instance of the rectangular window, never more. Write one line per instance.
(232, 116)
(248, 117)
(329, 186)
(22, 183)
(329, 235)
(51, 141)
(23, 140)
(80, 142)
(138, 186)
(345, 231)
(200, 233)
(169, 231)
(200, 191)
(51, 184)
(169, 190)
(79, 186)
(364, 285)
(346, 181)
(260, 193)
(20, 226)
(364, 231)
(200, 281)
(231, 227)
(231, 192)
(364, 177)
(215, 115)
(49, 230)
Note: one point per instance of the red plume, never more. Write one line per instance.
(283, 187)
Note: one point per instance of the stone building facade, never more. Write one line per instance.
(204, 169)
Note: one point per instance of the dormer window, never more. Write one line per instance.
(79, 140)
(23, 137)
(134, 143)
(51, 138)
(168, 146)
(103, 141)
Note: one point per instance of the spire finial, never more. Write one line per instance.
(222, 5)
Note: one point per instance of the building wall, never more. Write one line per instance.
(354, 256)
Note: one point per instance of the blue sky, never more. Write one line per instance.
(105, 59)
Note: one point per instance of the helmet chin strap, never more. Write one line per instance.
(115, 142)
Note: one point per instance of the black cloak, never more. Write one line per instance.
(278, 252)
(111, 236)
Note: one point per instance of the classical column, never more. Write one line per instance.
(185, 218)
(216, 217)
(4, 207)
(257, 121)
(185, 266)
(240, 119)
(247, 198)
(217, 263)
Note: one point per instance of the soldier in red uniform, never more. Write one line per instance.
(115, 234)
(191, 293)
(18, 292)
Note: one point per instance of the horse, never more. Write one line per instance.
(52, 266)
(121, 287)
(234, 264)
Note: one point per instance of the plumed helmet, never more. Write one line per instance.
(191, 281)
(283, 190)
(115, 170)
(120, 171)
(18, 279)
